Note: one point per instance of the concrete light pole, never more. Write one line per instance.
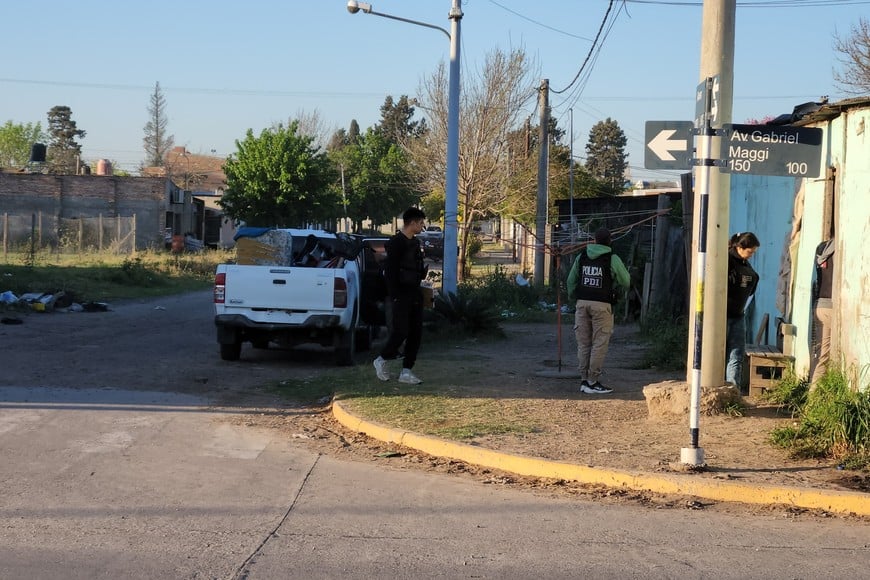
(717, 59)
(451, 178)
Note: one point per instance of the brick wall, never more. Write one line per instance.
(55, 197)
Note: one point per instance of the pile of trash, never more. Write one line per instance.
(45, 302)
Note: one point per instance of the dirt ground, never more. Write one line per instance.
(610, 431)
(168, 344)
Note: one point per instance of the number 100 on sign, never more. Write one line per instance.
(765, 150)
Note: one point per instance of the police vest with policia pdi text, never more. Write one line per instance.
(595, 280)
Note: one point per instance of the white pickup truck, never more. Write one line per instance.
(313, 287)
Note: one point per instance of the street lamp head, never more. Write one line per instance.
(353, 7)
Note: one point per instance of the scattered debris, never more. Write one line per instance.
(8, 297)
(389, 454)
(48, 302)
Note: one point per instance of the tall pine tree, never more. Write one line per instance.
(396, 124)
(63, 149)
(606, 159)
(156, 142)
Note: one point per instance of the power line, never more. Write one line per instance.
(541, 24)
(592, 49)
(193, 90)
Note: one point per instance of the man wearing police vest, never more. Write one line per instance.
(592, 282)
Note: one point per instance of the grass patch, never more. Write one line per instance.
(436, 407)
(107, 277)
(833, 421)
(442, 415)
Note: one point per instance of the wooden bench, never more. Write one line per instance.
(766, 365)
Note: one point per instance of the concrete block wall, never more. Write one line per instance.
(74, 196)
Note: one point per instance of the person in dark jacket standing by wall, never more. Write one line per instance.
(592, 282)
(404, 271)
(823, 309)
(742, 281)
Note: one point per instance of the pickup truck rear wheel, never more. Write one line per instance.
(345, 347)
(232, 350)
(345, 343)
(365, 337)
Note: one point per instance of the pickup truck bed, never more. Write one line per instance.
(326, 301)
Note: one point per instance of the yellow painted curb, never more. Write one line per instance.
(842, 502)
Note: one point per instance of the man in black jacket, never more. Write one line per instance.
(404, 271)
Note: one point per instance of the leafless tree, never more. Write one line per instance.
(854, 56)
(312, 125)
(492, 102)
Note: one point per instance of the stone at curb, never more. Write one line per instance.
(668, 399)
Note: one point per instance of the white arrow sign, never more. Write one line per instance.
(668, 145)
(662, 144)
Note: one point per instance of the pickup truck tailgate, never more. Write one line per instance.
(274, 287)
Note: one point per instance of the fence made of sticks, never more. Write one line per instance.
(37, 232)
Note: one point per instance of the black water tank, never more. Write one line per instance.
(37, 153)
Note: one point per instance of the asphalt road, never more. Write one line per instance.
(117, 461)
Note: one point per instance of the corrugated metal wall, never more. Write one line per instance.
(765, 205)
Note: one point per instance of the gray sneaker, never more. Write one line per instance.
(584, 385)
(409, 378)
(596, 388)
(381, 370)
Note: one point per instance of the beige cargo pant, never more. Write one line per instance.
(593, 326)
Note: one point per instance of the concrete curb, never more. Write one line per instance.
(842, 502)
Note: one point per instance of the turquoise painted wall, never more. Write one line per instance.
(765, 205)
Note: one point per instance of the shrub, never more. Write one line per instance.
(475, 244)
(790, 393)
(472, 315)
(668, 341)
(834, 420)
(499, 289)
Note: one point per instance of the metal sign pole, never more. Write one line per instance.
(694, 455)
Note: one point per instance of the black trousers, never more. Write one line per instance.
(406, 326)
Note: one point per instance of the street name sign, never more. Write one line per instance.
(771, 150)
(669, 145)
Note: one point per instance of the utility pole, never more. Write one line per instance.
(711, 220)
(571, 174)
(717, 60)
(543, 164)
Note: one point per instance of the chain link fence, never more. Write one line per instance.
(37, 233)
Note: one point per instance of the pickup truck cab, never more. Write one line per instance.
(295, 286)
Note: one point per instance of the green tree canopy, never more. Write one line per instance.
(16, 140)
(377, 181)
(606, 156)
(156, 141)
(279, 179)
(63, 149)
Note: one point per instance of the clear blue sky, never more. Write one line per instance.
(225, 67)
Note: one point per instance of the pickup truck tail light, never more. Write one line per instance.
(339, 293)
(220, 288)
